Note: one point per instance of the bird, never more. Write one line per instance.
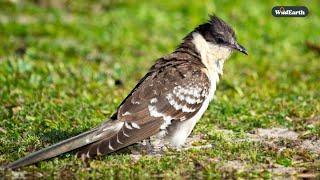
(165, 104)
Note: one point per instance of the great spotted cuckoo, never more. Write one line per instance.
(166, 103)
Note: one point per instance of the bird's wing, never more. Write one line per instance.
(171, 92)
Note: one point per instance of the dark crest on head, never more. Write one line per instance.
(217, 31)
(219, 26)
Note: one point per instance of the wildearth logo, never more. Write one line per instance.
(290, 11)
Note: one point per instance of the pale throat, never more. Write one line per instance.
(212, 56)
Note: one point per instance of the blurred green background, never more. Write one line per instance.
(66, 65)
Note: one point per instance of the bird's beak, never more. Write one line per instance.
(240, 48)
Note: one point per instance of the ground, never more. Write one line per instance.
(66, 65)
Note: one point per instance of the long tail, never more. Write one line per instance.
(54, 150)
(63, 146)
(107, 138)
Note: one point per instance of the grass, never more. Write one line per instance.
(66, 65)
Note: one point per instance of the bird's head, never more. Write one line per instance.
(219, 33)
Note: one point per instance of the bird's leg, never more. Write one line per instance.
(158, 146)
(149, 146)
(85, 160)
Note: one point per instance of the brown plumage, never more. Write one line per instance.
(184, 71)
(169, 99)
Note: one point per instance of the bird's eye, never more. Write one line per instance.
(220, 40)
